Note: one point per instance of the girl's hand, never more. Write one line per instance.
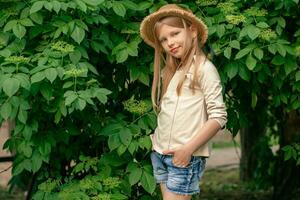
(181, 156)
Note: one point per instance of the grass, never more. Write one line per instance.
(14, 195)
(225, 185)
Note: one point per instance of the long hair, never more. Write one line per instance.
(166, 65)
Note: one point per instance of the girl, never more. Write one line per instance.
(187, 93)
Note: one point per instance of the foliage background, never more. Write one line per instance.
(75, 76)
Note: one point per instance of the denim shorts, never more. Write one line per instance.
(180, 180)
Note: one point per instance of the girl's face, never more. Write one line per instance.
(174, 40)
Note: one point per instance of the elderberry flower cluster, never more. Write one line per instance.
(17, 59)
(227, 7)
(104, 196)
(75, 72)
(135, 106)
(235, 19)
(62, 47)
(255, 12)
(267, 34)
(207, 2)
(111, 182)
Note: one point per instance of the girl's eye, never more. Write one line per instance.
(176, 33)
(162, 40)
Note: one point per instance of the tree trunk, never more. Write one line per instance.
(248, 163)
(286, 180)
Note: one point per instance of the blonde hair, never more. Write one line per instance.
(171, 64)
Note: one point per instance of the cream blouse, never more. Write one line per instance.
(182, 117)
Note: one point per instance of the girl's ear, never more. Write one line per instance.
(193, 31)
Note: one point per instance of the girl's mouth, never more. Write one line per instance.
(174, 50)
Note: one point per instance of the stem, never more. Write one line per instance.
(75, 83)
(139, 118)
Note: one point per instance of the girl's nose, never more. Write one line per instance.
(170, 42)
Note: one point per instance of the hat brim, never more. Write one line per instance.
(147, 25)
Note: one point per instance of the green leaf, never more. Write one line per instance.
(19, 31)
(6, 109)
(10, 25)
(39, 76)
(45, 148)
(148, 182)
(281, 49)
(244, 73)
(135, 175)
(250, 62)
(37, 6)
(24, 80)
(26, 22)
(125, 136)
(48, 6)
(132, 48)
(81, 5)
(122, 56)
(262, 25)
(289, 65)
(231, 69)
(258, 53)
(22, 116)
(297, 76)
(25, 148)
(37, 18)
(144, 5)
(119, 8)
(71, 98)
(11, 86)
(278, 60)
(253, 32)
(50, 74)
(17, 168)
(46, 91)
(145, 142)
(114, 142)
(80, 103)
(93, 2)
(75, 56)
(281, 22)
(134, 73)
(86, 65)
(234, 44)
(133, 147)
(227, 52)
(5, 53)
(272, 48)
(121, 149)
(78, 34)
(37, 161)
(220, 30)
(144, 78)
(253, 100)
(56, 6)
(27, 132)
(243, 52)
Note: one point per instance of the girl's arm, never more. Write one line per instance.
(183, 155)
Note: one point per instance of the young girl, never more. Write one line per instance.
(187, 93)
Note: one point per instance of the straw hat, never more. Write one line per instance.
(147, 25)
